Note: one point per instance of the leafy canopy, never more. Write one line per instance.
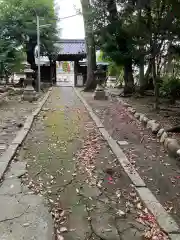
(18, 28)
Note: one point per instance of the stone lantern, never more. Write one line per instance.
(29, 93)
(100, 76)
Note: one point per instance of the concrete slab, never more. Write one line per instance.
(132, 233)
(9, 153)
(17, 169)
(28, 122)
(90, 191)
(174, 236)
(20, 136)
(10, 187)
(36, 112)
(10, 208)
(30, 221)
(3, 167)
(30, 199)
(102, 220)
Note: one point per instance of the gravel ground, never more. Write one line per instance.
(160, 172)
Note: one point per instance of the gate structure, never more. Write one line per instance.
(70, 52)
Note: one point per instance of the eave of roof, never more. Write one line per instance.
(71, 47)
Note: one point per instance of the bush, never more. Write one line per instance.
(170, 87)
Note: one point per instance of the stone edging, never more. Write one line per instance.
(8, 155)
(165, 221)
(3, 95)
(171, 145)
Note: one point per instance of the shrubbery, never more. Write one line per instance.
(170, 87)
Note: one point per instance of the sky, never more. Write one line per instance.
(71, 28)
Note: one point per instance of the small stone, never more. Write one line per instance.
(59, 237)
(141, 117)
(178, 152)
(173, 146)
(126, 104)
(145, 120)
(155, 128)
(26, 224)
(160, 132)
(63, 229)
(131, 110)
(166, 142)
(163, 137)
(151, 124)
(137, 115)
(122, 143)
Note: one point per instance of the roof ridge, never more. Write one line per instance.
(71, 40)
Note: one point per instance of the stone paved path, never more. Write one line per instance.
(85, 188)
(157, 169)
(23, 215)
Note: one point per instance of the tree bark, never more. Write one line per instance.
(148, 72)
(156, 84)
(90, 45)
(30, 47)
(128, 78)
(141, 76)
(128, 71)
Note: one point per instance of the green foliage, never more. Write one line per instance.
(10, 58)
(170, 87)
(113, 69)
(18, 31)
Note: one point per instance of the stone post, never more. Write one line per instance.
(29, 93)
(100, 93)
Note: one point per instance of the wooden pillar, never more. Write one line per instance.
(55, 73)
(75, 72)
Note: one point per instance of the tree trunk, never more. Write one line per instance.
(142, 81)
(156, 84)
(90, 45)
(7, 80)
(128, 78)
(91, 65)
(153, 47)
(12, 80)
(141, 66)
(148, 72)
(30, 47)
(51, 70)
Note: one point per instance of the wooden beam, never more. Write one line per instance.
(75, 72)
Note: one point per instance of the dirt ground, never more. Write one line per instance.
(88, 193)
(168, 115)
(160, 172)
(13, 112)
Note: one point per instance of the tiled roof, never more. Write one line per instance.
(71, 46)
